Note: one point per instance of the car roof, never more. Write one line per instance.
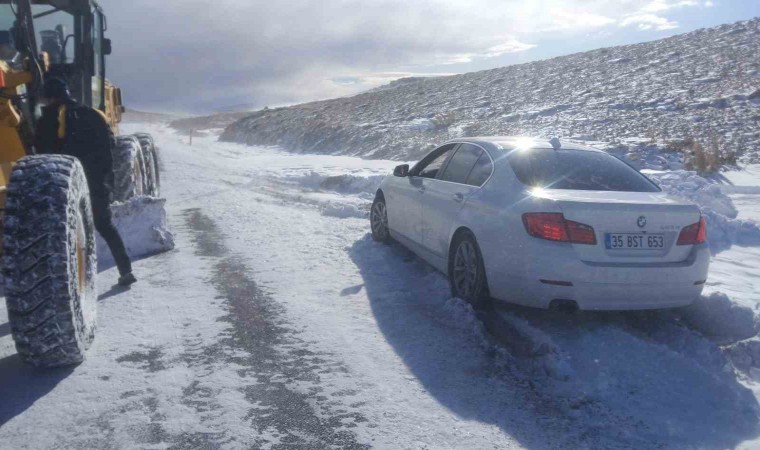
(506, 143)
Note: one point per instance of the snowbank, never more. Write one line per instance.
(723, 228)
(591, 366)
(141, 221)
(344, 184)
(745, 356)
(721, 319)
(723, 232)
(342, 211)
(689, 185)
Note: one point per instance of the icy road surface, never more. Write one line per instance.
(277, 322)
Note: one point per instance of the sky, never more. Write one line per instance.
(197, 57)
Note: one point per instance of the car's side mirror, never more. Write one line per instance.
(401, 171)
(107, 48)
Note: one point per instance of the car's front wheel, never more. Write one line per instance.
(467, 274)
(378, 219)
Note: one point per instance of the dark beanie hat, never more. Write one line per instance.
(56, 88)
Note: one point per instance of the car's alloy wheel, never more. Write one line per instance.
(465, 269)
(467, 272)
(378, 219)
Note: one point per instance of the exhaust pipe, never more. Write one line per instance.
(563, 306)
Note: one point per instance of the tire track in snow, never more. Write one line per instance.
(272, 354)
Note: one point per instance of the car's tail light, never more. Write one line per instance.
(695, 233)
(554, 227)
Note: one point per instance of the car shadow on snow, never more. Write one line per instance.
(5, 329)
(629, 381)
(22, 385)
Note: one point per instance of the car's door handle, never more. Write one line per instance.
(459, 197)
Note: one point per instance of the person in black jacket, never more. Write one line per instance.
(86, 135)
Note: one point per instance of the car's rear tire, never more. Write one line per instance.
(49, 260)
(467, 273)
(378, 220)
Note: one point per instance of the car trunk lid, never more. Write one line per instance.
(629, 226)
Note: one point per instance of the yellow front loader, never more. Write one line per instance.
(48, 239)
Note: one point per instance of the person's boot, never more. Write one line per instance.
(127, 279)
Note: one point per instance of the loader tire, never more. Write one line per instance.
(152, 169)
(49, 260)
(128, 169)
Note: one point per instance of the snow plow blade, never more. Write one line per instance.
(141, 222)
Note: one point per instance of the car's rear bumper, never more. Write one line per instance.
(607, 287)
(600, 296)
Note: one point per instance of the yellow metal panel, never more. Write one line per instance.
(113, 106)
(11, 147)
(9, 117)
(61, 121)
(5, 174)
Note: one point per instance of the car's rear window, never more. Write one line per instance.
(577, 169)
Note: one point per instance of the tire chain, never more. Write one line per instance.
(46, 197)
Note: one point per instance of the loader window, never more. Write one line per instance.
(97, 47)
(7, 45)
(97, 41)
(6, 17)
(53, 30)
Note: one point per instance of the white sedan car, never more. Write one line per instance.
(544, 224)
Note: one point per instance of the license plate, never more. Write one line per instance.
(634, 241)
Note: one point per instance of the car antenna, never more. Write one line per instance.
(556, 144)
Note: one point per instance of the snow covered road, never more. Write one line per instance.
(277, 322)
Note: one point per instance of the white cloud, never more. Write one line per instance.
(657, 6)
(648, 22)
(510, 46)
(578, 20)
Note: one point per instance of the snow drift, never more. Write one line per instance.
(723, 228)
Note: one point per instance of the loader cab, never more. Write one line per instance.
(71, 33)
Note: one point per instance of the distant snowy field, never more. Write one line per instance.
(421, 369)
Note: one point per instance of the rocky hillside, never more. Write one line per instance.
(695, 89)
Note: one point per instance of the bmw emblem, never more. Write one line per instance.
(641, 222)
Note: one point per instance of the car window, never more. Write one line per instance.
(461, 164)
(431, 164)
(577, 169)
(482, 170)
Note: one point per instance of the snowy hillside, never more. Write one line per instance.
(703, 85)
